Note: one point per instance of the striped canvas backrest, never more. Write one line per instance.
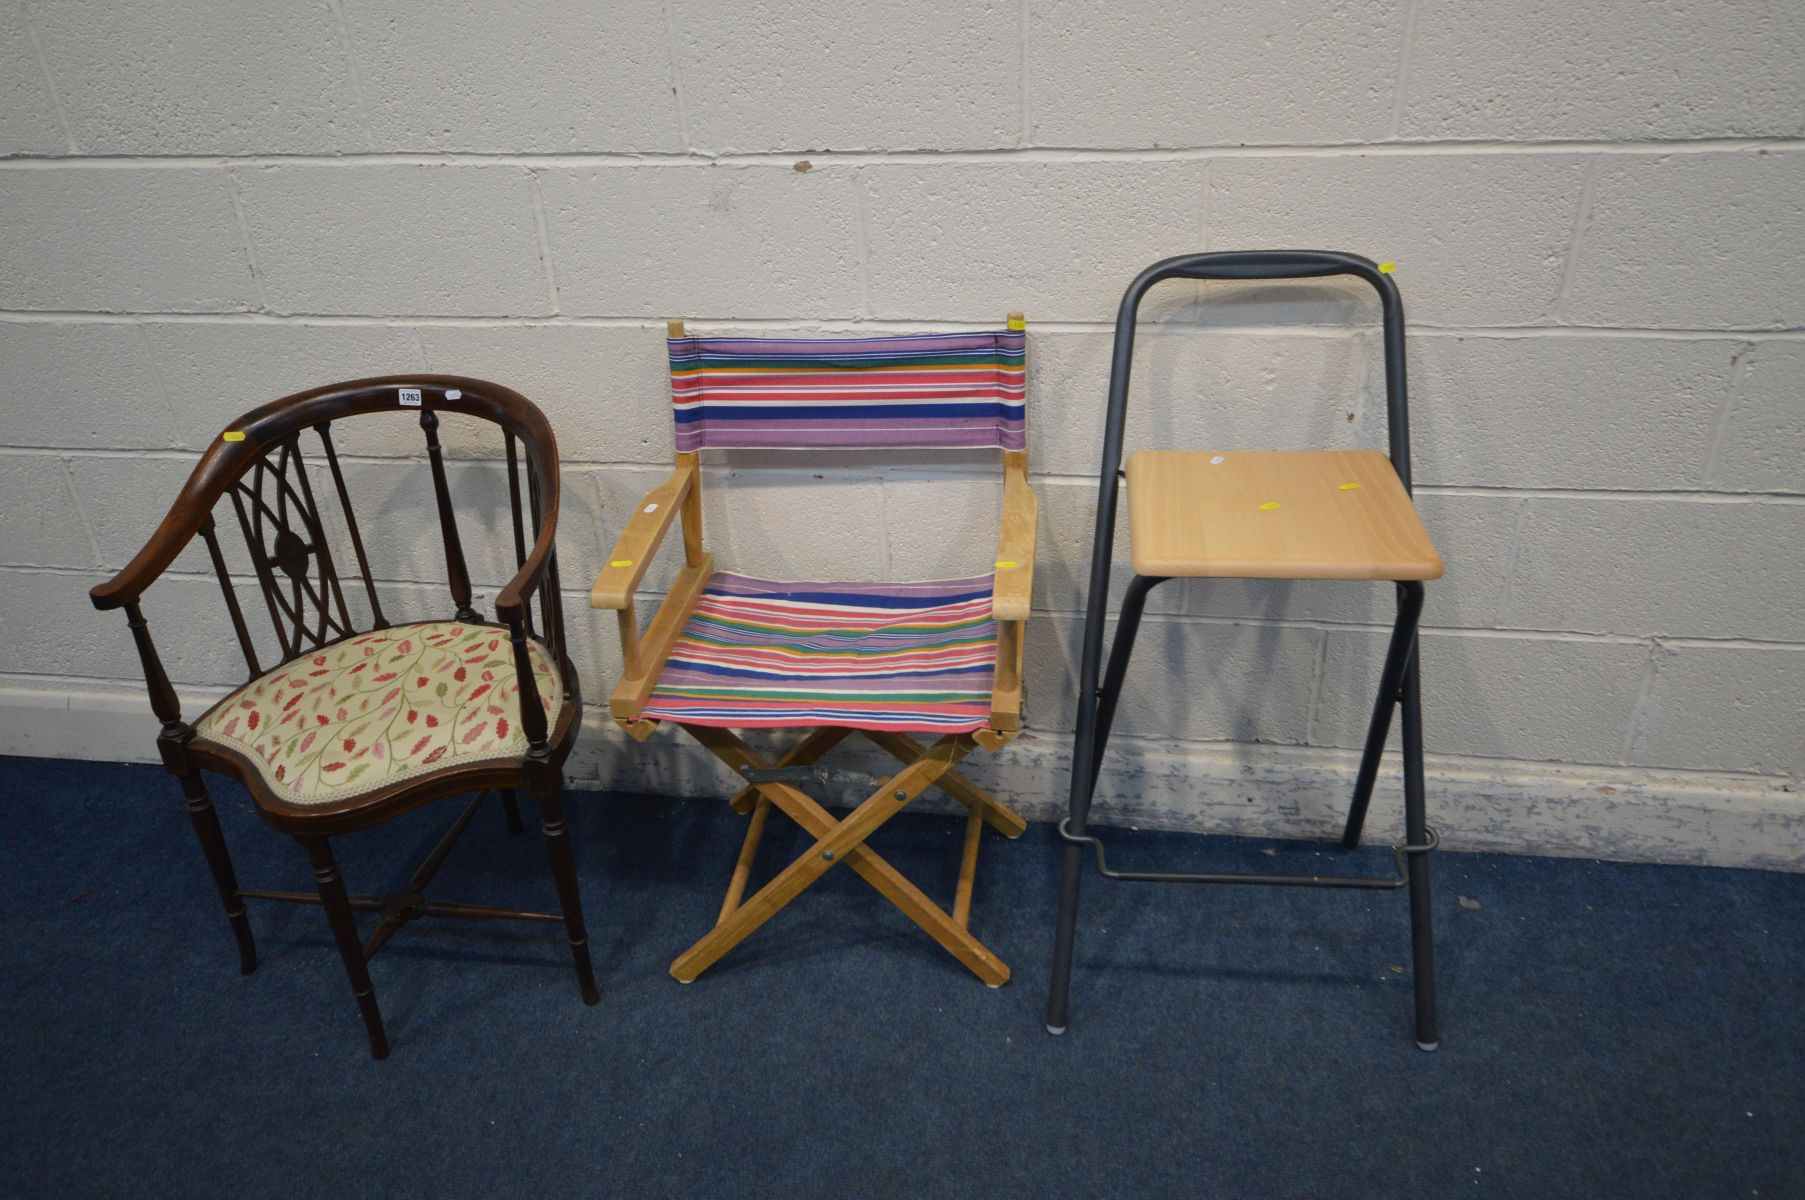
(911, 391)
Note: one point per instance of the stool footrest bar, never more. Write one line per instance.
(1374, 882)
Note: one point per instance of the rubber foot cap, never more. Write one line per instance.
(1056, 1030)
(1430, 1046)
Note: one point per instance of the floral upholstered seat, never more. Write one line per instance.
(385, 706)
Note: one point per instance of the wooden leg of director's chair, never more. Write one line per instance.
(843, 841)
(968, 867)
(806, 753)
(892, 884)
(742, 869)
(896, 887)
(997, 815)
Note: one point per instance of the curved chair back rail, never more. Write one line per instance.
(258, 464)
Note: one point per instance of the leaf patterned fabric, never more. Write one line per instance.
(382, 707)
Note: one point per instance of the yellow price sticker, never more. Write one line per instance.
(621, 562)
(232, 435)
(1003, 564)
(1269, 506)
(1348, 487)
(1386, 268)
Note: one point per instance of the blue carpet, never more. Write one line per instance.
(1608, 1030)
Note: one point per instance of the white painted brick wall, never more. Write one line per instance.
(547, 77)
(1598, 211)
(196, 74)
(1764, 442)
(1604, 69)
(419, 240)
(150, 240)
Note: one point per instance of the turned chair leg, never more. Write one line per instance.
(564, 872)
(213, 845)
(344, 930)
(511, 807)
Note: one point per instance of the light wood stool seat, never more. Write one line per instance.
(1274, 514)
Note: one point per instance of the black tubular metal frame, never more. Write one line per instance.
(1100, 687)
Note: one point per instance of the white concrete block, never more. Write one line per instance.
(1764, 446)
(606, 392)
(217, 372)
(1688, 568)
(1156, 74)
(1203, 389)
(1478, 240)
(1725, 708)
(81, 385)
(390, 240)
(1711, 241)
(398, 517)
(1062, 565)
(794, 525)
(1188, 681)
(816, 76)
(942, 528)
(1474, 535)
(1495, 697)
(1617, 70)
(684, 241)
(542, 78)
(1592, 413)
(117, 239)
(594, 646)
(28, 120)
(187, 618)
(43, 526)
(201, 77)
(584, 531)
(125, 497)
(1060, 241)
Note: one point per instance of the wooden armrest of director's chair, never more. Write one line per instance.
(1013, 592)
(645, 657)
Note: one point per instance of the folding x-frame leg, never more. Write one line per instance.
(999, 817)
(839, 841)
(1399, 685)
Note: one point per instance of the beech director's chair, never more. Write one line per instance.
(728, 652)
(1261, 515)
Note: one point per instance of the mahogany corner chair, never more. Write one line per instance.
(353, 727)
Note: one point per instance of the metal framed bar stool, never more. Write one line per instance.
(1260, 515)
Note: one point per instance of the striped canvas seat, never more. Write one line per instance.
(896, 656)
(948, 391)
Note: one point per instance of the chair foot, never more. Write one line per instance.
(247, 949)
(213, 845)
(564, 872)
(1431, 1046)
(1056, 1030)
(344, 931)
